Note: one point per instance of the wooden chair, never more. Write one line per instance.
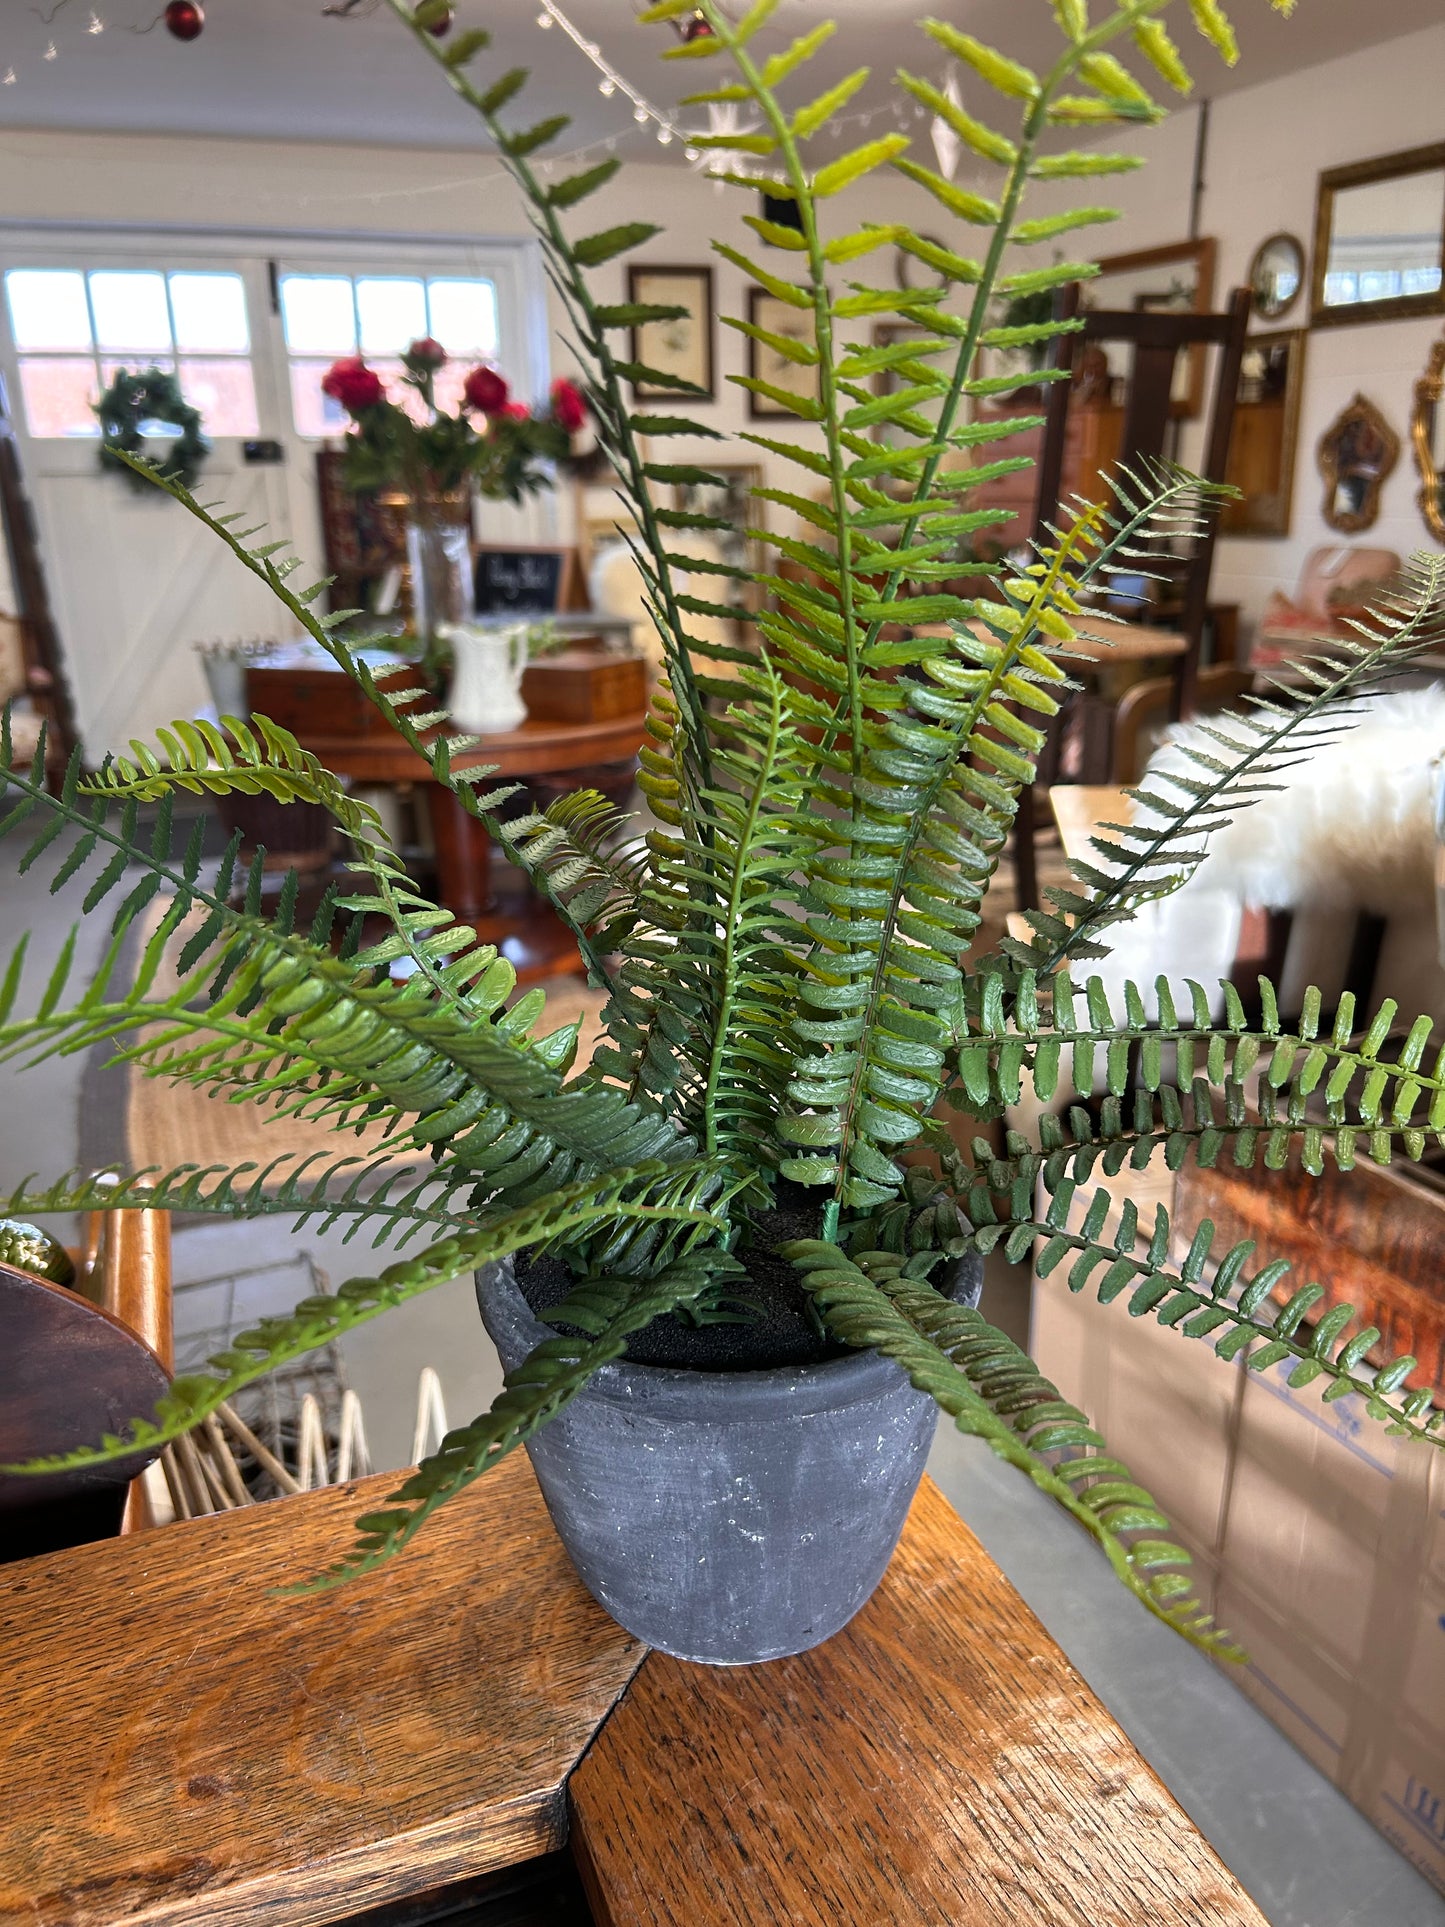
(75, 1363)
(1156, 341)
(1145, 710)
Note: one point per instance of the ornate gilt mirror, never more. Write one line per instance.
(1263, 437)
(1356, 452)
(1380, 239)
(1427, 435)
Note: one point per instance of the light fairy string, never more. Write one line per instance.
(613, 82)
(94, 25)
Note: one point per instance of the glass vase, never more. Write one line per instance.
(439, 568)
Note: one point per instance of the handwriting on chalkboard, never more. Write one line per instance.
(526, 580)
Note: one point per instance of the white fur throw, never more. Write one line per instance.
(1351, 825)
(1349, 828)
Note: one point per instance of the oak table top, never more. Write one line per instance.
(182, 1746)
(537, 748)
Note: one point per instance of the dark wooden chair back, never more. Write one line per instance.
(1157, 341)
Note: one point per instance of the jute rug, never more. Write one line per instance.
(165, 1122)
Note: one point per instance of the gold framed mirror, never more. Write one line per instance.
(1356, 452)
(1263, 439)
(1427, 437)
(1380, 239)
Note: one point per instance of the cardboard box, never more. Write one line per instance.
(1319, 1542)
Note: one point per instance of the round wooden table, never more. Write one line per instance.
(523, 927)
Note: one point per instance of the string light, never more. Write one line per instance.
(97, 25)
(9, 80)
(612, 82)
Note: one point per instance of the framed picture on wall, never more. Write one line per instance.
(730, 500)
(682, 345)
(772, 365)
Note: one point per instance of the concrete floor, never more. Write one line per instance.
(1305, 1855)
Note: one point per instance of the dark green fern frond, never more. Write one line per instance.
(606, 1311)
(995, 1392)
(1272, 1076)
(641, 1197)
(582, 845)
(1226, 1308)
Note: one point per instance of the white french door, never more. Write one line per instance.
(134, 581)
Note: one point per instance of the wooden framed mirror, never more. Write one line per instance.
(1380, 239)
(1356, 452)
(1427, 438)
(1263, 440)
(1178, 279)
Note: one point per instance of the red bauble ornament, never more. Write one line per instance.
(695, 29)
(184, 18)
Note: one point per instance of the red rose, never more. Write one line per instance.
(569, 406)
(516, 411)
(485, 391)
(353, 384)
(427, 353)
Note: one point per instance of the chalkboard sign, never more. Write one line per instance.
(521, 581)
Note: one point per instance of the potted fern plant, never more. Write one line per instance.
(729, 1262)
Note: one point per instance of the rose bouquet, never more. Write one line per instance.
(492, 443)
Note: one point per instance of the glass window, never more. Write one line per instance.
(48, 308)
(324, 316)
(393, 315)
(209, 312)
(73, 331)
(464, 317)
(318, 314)
(131, 312)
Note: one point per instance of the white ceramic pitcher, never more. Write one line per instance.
(486, 695)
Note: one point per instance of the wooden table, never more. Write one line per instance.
(183, 1746)
(523, 927)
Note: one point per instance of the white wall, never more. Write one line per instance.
(1267, 147)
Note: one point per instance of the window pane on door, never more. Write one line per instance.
(318, 314)
(393, 314)
(464, 317)
(314, 413)
(58, 391)
(225, 394)
(210, 314)
(48, 308)
(131, 313)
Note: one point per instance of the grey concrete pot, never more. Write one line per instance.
(728, 1517)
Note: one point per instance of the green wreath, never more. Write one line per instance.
(154, 396)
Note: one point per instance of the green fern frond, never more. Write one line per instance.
(644, 1196)
(993, 1391)
(605, 1311)
(1225, 1309)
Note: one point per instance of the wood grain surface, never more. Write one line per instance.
(938, 1761)
(181, 1746)
(535, 749)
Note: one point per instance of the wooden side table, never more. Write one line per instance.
(184, 1744)
(524, 928)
